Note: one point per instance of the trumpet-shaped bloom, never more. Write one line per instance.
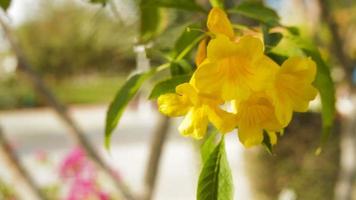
(255, 115)
(199, 110)
(293, 90)
(233, 70)
(219, 23)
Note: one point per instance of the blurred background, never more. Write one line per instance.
(84, 52)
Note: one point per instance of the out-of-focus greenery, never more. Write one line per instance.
(6, 192)
(15, 93)
(65, 39)
(295, 165)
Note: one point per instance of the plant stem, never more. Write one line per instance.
(25, 186)
(157, 144)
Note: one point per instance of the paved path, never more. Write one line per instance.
(39, 130)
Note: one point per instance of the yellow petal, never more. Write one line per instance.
(194, 123)
(304, 69)
(208, 79)
(187, 90)
(263, 75)
(308, 93)
(218, 23)
(250, 136)
(201, 52)
(173, 105)
(250, 46)
(255, 115)
(221, 47)
(272, 137)
(284, 112)
(222, 120)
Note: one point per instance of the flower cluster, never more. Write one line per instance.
(235, 71)
(82, 175)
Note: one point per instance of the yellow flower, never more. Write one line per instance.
(255, 115)
(199, 110)
(232, 70)
(292, 89)
(201, 52)
(219, 23)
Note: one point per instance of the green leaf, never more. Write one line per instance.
(187, 37)
(5, 4)
(257, 11)
(122, 98)
(270, 39)
(181, 67)
(103, 2)
(215, 180)
(190, 5)
(150, 22)
(168, 86)
(208, 146)
(278, 58)
(267, 142)
(217, 3)
(324, 83)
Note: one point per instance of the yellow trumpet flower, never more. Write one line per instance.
(199, 110)
(292, 89)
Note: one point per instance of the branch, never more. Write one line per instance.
(337, 44)
(19, 173)
(76, 133)
(159, 139)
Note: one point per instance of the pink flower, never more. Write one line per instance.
(81, 174)
(86, 189)
(76, 164)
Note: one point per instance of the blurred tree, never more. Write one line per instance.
(64, 39)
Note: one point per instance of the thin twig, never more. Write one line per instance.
(76, 133)
(157, 144)
(337, 43)
(19, 173)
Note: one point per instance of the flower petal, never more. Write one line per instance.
(250, 136)
(222, 120)
(194, 123)
(173, 105)
(304, 69)
(218, 23)
(201, 52)
(221, 47)
(188, 91)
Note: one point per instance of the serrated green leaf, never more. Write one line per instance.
(215, 180)
(168, 86)
(190, 5)
(217, 3)
(208, 146)
(5, 4)
(150, 22)
(122, 98)
(257, 11)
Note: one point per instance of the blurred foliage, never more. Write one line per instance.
(16, 93)
(294, 165)
(65, 39)
(6, 191)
